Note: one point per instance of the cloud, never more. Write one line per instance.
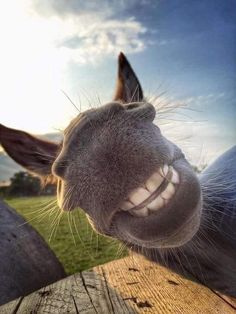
(201, 138)
(203, 99)
(65, 8)
(104, 38)
(80, 7)
(201, 142)
(88, 31)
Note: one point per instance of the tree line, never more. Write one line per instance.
(24, 184)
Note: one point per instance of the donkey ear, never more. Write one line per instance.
(128, 88)
(34, 154)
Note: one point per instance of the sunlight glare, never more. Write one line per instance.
(32, 70)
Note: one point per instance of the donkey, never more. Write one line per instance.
(137, 186)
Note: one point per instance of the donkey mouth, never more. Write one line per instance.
(155, 194)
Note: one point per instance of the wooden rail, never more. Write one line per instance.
(128, 285)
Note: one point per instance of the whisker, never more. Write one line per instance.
(70, 101)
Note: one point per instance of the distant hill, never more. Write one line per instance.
(8, 167)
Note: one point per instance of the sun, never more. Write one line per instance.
(32, 69)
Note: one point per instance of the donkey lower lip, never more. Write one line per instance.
(158, 190)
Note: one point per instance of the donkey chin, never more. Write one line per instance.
(167, 211)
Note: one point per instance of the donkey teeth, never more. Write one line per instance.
(126, 205)
(168, 192)
(143, 212)
(138, 196)
(154, 182)
(164, 170)
(175, 176)
(156, 204)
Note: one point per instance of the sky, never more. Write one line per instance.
(184, 50)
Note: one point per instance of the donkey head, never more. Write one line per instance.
(114, 163)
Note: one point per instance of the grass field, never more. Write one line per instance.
(74, 242)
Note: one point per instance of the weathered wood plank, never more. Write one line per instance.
(129, 285)
(11, 307)
(153, 289)
(60, 297)
(104, 298)
(231, 301)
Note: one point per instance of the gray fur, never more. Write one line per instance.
(109, 151)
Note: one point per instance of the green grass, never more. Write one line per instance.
(75, 244)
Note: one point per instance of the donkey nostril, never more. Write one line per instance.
(59, 168)
(141, 110)
(132, 106)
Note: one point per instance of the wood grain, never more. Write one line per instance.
(128, 285)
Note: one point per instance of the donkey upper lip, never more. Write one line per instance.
(158, 190)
